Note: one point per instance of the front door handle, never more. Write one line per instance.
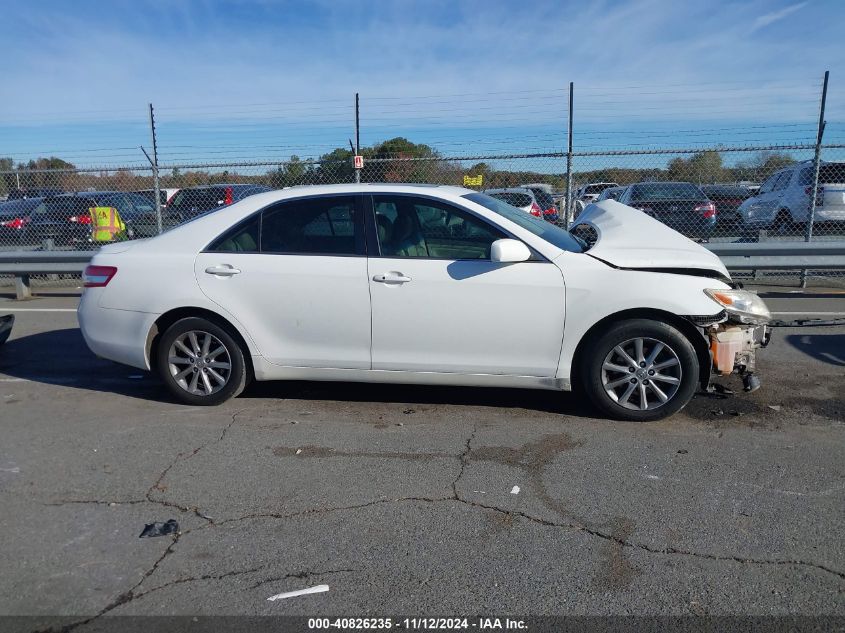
(224, 270)
(392, 277)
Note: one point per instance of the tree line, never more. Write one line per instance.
(394, 160)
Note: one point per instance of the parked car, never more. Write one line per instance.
(543, 196)
(525, 199)
(7, 322)
(727, 199)
(14, 216)
(590, 192)
(422, 284)
(164, 195)
(782, 203)
(190, 202)
(679, 205)
(65, 219)
(611, 193)
(33, 192)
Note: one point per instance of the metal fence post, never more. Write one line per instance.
(156, 184)
(357, 137)
(568, 215)
(811, 218)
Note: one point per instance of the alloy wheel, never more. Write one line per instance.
(641, 374)
(199, 363)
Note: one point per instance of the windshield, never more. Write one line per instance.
(666, 191)
(513, 198)
(546, 230)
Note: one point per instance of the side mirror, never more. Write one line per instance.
(509, 251)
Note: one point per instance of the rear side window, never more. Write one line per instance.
(243, 238)
(543, 199)
(327, 226)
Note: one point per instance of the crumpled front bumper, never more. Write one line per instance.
(733, 347)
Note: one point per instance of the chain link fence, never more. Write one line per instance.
(746, 194)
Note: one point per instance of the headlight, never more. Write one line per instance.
(743, 306)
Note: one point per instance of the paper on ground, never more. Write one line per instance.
(515, 490)
(299, 592)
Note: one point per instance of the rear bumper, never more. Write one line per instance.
(117, 335)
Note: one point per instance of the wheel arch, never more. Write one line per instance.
(172, 316)
(684, 326)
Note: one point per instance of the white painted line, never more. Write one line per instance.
(3, 308)
(299, 592)
(802, 313)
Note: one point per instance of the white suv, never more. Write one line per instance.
(783, 201)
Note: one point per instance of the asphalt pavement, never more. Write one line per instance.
(416, 500)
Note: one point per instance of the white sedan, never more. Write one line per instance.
(427, 285)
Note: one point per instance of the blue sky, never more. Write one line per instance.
(267, 79)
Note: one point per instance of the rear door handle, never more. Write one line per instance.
(391, 278)
(224, 270)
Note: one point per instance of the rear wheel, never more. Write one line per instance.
(640, 370)
(200, 362)
(784, 224)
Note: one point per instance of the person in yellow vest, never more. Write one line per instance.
(106, 225)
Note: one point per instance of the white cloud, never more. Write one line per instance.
(768, 18)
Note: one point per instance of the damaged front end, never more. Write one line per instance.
(736, 337)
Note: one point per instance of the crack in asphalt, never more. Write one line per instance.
(302, 574)
(464, 460)
(157, 485)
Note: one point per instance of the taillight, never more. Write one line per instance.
(229, 196)
(535, 209)
(707, 210)
(550, 211)
(98, 276)
(80, 219)
(16, 223)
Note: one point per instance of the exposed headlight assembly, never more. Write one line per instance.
(742, 306)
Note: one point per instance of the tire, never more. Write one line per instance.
(676, 361)
(185, 377)
(784, 224)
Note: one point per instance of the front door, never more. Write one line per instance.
(295, 276)
(440, 305)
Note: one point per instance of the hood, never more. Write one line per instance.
(628, 238)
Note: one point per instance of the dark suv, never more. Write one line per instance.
(186, 204)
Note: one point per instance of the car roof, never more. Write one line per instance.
(218, 185)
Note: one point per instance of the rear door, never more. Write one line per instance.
(295, 276)
(440, 305)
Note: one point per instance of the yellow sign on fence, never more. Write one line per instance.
(473, 181)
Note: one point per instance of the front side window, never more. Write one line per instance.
(326, 226)
(419, 227)
(542, 229)
(783, 181)
(769, 183)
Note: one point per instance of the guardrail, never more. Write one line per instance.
(22, 264)
(780, 255)
(735, 256)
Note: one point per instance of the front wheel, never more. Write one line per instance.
(200, 362)
(640, 370)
